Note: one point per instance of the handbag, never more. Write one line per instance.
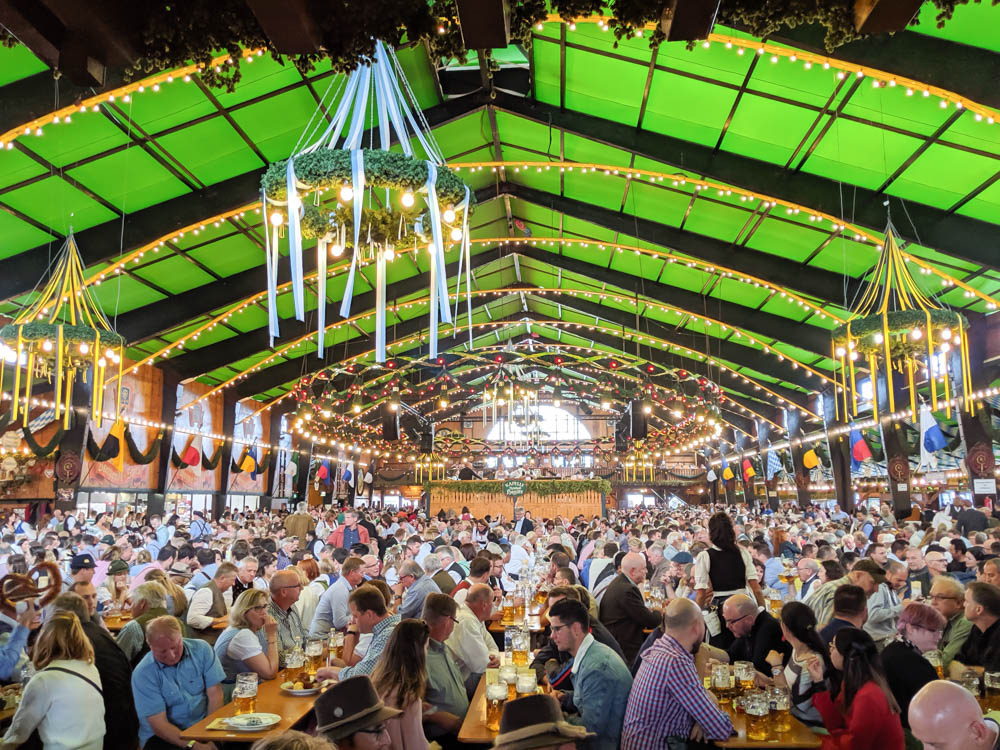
(712, 622)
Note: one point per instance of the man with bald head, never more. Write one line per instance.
(285, 589)
(470, 643)
(945, 716)
(623, 611)
(756, 632)
(668, 704)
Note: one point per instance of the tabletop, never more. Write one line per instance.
(270, 699)
(800, 736)
(473, 728)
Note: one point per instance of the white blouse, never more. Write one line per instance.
(53, 703)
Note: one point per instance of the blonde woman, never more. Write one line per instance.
(115, 589)
(67, 681)
(250, 643)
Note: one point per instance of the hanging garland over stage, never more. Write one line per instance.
(539, 487)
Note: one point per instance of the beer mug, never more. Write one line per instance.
(245, 693)
(314, 655)
(970, 681)
(934, 659)
(519, 642)
(720, 682)
(492, 676)
(781, 709)
(336, 645)
(507, 608)
(508, 676)
(745, 674)
(991, 700)
(496, 696)
(758, 709)
(526, 685)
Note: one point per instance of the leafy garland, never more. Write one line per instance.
(100, 453)
(174, 34)
(177, 461)
(329, 169)
(538, 487)
(211, 464)
(899, 322)
(137, 456)
(378, 225)
(38, 331)
(43, 450)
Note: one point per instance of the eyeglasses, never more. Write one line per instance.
(557, 628)
(259, 608)
(733, 622)
(941, 597)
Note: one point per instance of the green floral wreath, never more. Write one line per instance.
(864, 330)
(38, 331)
(326, 169)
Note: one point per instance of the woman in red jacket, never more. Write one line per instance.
(860, 712)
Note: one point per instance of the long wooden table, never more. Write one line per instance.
(271, 699)
(800, 736)
(473, 728)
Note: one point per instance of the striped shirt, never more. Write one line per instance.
(667, 699)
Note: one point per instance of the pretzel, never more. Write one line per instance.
(15, 587)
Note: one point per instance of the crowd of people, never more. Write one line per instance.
(861, 618)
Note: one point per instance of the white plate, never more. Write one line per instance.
(304, 691)
(252, 722)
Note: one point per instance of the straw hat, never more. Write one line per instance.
(535, 721)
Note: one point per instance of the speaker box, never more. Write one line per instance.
(427, 441)
(390, 423)
(637, 425)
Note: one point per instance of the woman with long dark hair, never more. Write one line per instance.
(860, 712)
(400, 679)
(798, 627)
(722, 570)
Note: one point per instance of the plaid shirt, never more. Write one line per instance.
(667, 699)
(380, 637)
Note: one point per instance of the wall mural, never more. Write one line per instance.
(205, 416)
(249, 431)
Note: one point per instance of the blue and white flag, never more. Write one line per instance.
(931, 438)
(46, 417)
(349, 474)
(773, 463)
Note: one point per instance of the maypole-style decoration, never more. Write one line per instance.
(367, 218)
(61, 334)
(898, 331)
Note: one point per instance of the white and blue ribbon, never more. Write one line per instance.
(295, 239)
(271, 267)
(320, 295)
(358, 175)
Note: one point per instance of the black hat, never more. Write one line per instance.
(117, 566)
(349, 707)
(81, 561)
(535, 721)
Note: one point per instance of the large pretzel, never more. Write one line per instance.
(15, 587)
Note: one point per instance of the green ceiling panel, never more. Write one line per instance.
(604, 85)
(580, 149)
(785, 239)
(596, 188)
(859, 154)
(264, 75)
(972, 23)
(18, 62)
(130, 179)
(942, 176)
(121, 294)
(589, 35)
(892, 106)
(213, 151)
(173, 105)
(769, 130)
(175, 274)
(57, 204)
(985, 206)
(667, 206)
(525, 133)
(715, 220)
(87, 135)
(15, 167)
(19, 236)
(980, 134)
(715, 61)
(686, 108)
(229, 255)
(844, 257)
(546, 57)
(793, 80)
(275, 125)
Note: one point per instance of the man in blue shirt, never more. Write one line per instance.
(176, 685)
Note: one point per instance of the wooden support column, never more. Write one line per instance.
(840, 454)
(167, 415)
(73, 443)
(219, 498)
(897, 459)
(975, 428)
(763, 440)
(304, 448)
(794, 428)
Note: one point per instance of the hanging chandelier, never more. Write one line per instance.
(377, 212)
(63, 334)
(898, 331)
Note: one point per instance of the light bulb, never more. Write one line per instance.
(357, 408)
(84, 348)
(276, 219)
(443, 403)
(879, 338)
(407, 199)
(336, 250)
(47, 345)
(841, 351)
(101, 362)
(116, 359)
(389, 253)
(916, 334)
(456, 234)
(347, 193)
(448, 215)
(946, 334)
(945, 347)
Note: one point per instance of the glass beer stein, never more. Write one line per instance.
(520, 641)
(758, 710)
(744, 672)
(314, 655)
(245, 693)
(496, 696)
(781, 709)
